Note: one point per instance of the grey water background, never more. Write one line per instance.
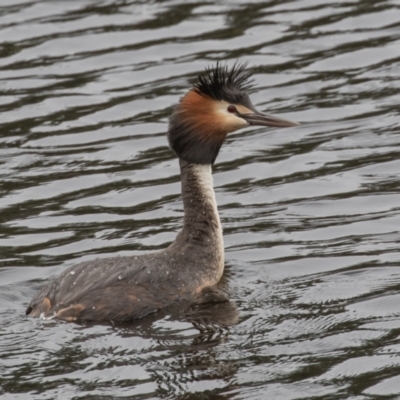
(311, 214)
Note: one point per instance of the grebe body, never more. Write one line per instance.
(126, 288)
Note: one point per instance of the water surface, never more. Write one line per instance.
(311, 214)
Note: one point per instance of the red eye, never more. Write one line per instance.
(232, 109)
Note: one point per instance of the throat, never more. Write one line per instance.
(201, 226)
(199, 246)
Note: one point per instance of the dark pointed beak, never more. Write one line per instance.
(261, 119)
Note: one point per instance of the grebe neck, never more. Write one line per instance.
(202, 230)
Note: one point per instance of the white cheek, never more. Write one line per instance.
(229, 119)
(235, 121)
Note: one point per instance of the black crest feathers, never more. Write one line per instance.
(222, 83)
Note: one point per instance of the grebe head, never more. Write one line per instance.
(216, 105)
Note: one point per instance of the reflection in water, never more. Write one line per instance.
(310, 215)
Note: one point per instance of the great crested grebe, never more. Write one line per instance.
(126, 288)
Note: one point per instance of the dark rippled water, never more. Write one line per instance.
(311, 214)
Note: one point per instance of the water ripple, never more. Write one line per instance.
(311, 214)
